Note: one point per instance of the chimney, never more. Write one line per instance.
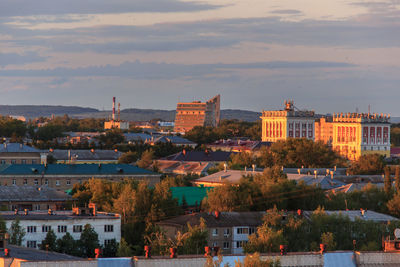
(119, 111)
(225, 166)
(147, 250)
(16, 212)
(26, 211)
(298, 171)
(315, 174)
(245, 168)
(254, 167)
(97, 253)
(113, 109)
(332, 175)
(93, 207)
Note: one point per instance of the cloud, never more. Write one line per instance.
(139, 70)
(19, 59)
(10, 8)
(287, 11)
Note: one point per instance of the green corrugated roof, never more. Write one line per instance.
(191, 194)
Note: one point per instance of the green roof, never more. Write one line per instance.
(192, 194)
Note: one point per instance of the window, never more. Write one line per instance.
(108, 241)
(31, 244)
(62, 228)
(77, 228)
(23, 161)
(31, 229)
(226, 231)
(14, 182)
(13, 161)
(36, 182)
(226, 245)
(68, 182)
(34, 161)
(215, 244)
(252, 230)
(3, 161)
(241, 231)
(37, 207)
(46, 228)
(25, 181)
(108, 228)
(57, 182)
(46, 182)
(240, 244)
(214, 231)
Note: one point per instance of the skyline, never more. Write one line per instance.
(334, 56)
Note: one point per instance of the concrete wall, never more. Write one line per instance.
(378, 258)
(178, 262)
(83, 263)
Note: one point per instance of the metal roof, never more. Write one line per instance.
(192, 194)
(72, 169)
(32, 254)
(84, 154)
(17, 148)
(204, 156)
(31, 193)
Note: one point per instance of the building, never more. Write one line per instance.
(352, 135)
(175, 140)
(227, 230)
(15, 153)
(224, 177)
(64, 176)
(199, 156)
(33, 198)
(180, 167)
(189, 115)
(238, 145)
(116, 123)
(37, 223)
(85, 155)
(287, 123)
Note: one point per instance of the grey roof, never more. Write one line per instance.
(57, 215)
(229, 176)
(174, 140)
(17, 148)
(325, 182)
(31, 193)
(209, 156)
(369, 215)
(225, 219)
(85, 154)
(137, 137)
(32, 254)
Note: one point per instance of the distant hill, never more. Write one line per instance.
(34, 111)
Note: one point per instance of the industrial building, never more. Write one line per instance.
(196, 113)
(116, 123)
(351, 134)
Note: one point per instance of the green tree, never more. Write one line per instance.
(67, 245)
(17, 233)
(367, 164)
(393, 205)
(254, 260)
(124, 250)
(329, 240)
(128, 157)
(88, 241)
(49, 242)
(110, 249)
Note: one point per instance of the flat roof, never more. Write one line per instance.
(57, 215)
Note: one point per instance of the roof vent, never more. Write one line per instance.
(34, 170)
(120, 170)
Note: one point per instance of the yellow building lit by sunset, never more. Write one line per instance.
(351, 134)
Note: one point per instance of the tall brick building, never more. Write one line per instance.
(196, 113)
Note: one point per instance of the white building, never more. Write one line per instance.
(36, 224)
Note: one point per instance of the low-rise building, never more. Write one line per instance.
(238, 145)
(200, 156)
(179, 167)
(175, 140)
(85, 155)
(16, 153)
(224, 177)
(33, 198)
(64, 176)
(37, 223)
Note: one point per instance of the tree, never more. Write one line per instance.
(329, 241)
(49, 243)
(128, 157)
(110, 249)
(397, 178)
(387, 181)
(147, 159)
(125, 203)
(367, 164)
(124, 250)
(17, 233)
(393, 205)
(89, 241)
(67, 245)
(254, 260)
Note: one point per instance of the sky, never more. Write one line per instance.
(329, 56)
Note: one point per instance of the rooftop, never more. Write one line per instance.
(31, 193)
(229, 176)
(205, 156)
(56, 215)
(84, 154)
(17, 148)
(192, 195)
(32, 254)
(72, 169)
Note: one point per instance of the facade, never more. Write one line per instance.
(64, 176)
(123, 125)
(287, 123)
(352, 135)
(227, 230)
(238, 145)
(37, 224)
(15, 153)
(189, 115)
